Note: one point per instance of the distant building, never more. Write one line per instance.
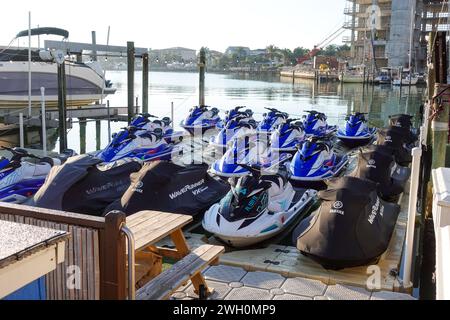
(237, 50)
(387, 42)
(185, 54)
(258, 52)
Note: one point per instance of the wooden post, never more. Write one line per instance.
(145, 75)
(431, 71)
(439, 125)
(130, 70)
(82, 123)
(202, 68)
(94, 43)
(113, 258)
(62, 107)
(98, 134)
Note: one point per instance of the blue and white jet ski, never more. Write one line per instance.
(236, 128)
(245, 116)
(248, 150)
(272, 120)
(287, 136)
(21, 179)
(257, 208)
(356, 132)
(316, 162)
(315, 125)
(201, 119)
(146, 146)
(151, 123)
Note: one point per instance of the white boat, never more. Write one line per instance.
(85, 82)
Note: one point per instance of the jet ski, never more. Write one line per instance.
(151, 123)
(232, 114)
(377, 164)
(353, 226)
(249, 150)
(271, 121)
(235, 128)
(20, 179)
(138, 143)
(400, 142)
(403, 124)
(257, 208)
(165, 186)
(86, 185)
(356, 132)
(288, 136)
(201, 119)
(315, 125)
(315, 162)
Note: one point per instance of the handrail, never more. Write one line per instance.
(131, 262)
(412, 212)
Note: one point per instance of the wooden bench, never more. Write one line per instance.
(190, 267)
(149, 227)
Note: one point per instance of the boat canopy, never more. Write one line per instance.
(46, 30)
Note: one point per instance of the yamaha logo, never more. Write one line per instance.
(138, 187)
(372, 162)
(338, 205)
(388, 139)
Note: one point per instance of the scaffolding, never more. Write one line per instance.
(400, 34)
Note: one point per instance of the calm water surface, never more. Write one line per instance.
(255, 92)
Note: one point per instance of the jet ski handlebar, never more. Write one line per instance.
(19, 153)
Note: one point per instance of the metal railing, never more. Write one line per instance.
(131, 263)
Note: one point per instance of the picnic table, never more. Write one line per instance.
(150, 227)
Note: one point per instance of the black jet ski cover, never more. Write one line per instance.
(401, 120)
(83, 185)
(377, 164)
(164, 186)
(352, 227)
(396, 139)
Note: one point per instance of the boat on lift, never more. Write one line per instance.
(85, 82)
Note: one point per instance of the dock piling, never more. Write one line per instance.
(202, 67)
(44, 125)
(21, 131)
(62, 107)
(130, 70)
(109, 121)
(145, 75)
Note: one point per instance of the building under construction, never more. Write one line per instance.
(385, 32)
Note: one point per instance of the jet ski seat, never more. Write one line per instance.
(278, 183)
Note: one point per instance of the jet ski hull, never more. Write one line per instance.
(357, 141)
(266, 226)
(318, 182)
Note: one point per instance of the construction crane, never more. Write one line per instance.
(321, 45)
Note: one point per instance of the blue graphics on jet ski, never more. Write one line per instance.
(257, 208)
(315, 125)
(315, 162)
(202, 119)
(146, 146)
(272, 120)
(288, 136)
(248, 150)
(20, 179)
(237, 127)
(356, 132)
(235, 113)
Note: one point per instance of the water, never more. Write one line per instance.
(255, 92)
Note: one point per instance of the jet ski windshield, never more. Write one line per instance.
(248, 199)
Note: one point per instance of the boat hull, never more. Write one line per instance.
(83, 84)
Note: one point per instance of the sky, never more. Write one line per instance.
(192, 24)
